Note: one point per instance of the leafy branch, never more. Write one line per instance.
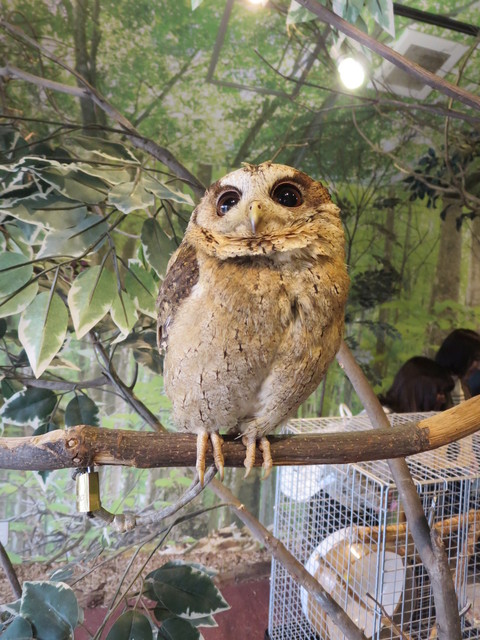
(86, 90)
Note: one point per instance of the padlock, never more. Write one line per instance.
(88, 491)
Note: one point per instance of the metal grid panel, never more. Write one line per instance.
(345, 524)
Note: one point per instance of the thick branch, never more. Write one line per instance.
(84, 446)
(413, 69)
(429, 546)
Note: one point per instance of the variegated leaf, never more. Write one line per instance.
(90, 298)
(42, 330)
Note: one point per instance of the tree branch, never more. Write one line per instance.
(290, 563)
(125, 391)
(430, 547)
(10, 572)
(413, 69)
(59, 385)
(84, 446)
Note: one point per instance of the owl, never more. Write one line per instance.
(251, 310)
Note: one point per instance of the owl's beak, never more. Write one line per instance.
(255, 213)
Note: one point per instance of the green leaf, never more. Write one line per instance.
(142, 288)
(47, 427)
(165, 192)
(90, 298)
(18, 302)
(49, 211)
(382, 12)
(59, 364)
(81, 410)
(157, 246)
(3, 327)
(161, 613)
(42, 330)
(145, 350)
(100, 147)
(12, 145)
(75, 184)
(19, 629)
(10, 386)
(14, 273)
(208, 621)
(131, 625)
(149, 358)
(89, 235)
(178, 629)
(62, 574)
(29, 407)
(347, 10)
(185, 591)
(123, 313)
(15, 558)
(112, 175)
(51, 608)
(297, 13)
(130, 196)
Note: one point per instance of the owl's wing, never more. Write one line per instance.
(182, 275)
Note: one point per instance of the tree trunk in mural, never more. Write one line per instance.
(473, 290)
(447, 274)
(384, 314)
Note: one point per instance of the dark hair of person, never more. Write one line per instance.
(458, 351)
(417, 387)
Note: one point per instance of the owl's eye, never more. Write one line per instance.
(226, 201)
(287, 195)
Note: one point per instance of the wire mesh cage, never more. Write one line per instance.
(346, 525)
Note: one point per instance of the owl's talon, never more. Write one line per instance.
(202, 443)
(267, 465)
(249, 461)
(217, 442)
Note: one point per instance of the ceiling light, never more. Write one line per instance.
(351, 71)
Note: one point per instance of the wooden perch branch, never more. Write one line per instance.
(84, 445)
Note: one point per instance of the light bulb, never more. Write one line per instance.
(351, 72)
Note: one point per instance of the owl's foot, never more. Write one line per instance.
(202, 445)
(264, 446)
(267, 465)
(217, 442)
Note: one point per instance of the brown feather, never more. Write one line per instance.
(182, 275)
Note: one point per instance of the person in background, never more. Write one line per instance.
(473, 383)
(459, 354)
(420, 385)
